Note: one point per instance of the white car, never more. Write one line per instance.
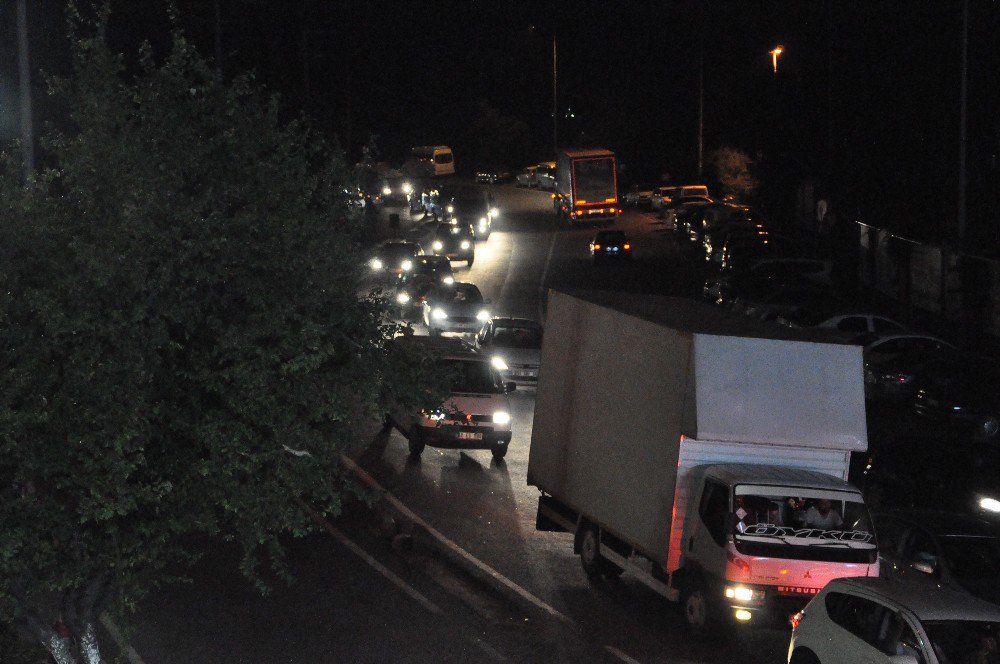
(457, 307)
(528, 177)
(546, 175)
(638, 195)
(514, 346)
(476, 413)
(864, 620)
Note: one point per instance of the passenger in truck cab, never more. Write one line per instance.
(746, 514)
(822, 515)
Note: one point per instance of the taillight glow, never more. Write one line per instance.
(796, 619)
(626, 246)
(597, 247)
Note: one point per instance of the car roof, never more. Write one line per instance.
(891, 337)
(925, 600)
(943, 523)
(748, 473)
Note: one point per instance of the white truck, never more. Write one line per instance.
(703, 451)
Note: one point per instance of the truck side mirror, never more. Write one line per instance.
(925, 567)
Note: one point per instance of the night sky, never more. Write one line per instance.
(865, 102)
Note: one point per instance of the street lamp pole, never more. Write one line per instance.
(555, 107)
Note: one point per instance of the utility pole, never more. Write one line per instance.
(701, 110)
(24, 83)
(218, 35)
(962, 126)
(555, 106)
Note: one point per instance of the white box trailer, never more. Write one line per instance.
(642, 400)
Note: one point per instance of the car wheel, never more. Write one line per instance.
(804, 656)
(416, 442)
(500, 451)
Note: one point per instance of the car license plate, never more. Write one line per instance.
(469, 435)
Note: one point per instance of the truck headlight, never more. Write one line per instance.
(740, 593)
(498, 363)
(439, 314)
(448, 279)
(403, 298)
(501, 417)
(483, 316)
(465, 244)
(386, 191)
(407, 188)
(407, 265)
(376, 264)
(438, 245)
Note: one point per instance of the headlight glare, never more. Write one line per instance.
(498, 363)
(450, 208)
(407, 265)
(501, 417)
(494, 212)
(439, 314)
(448, 279)
(376, 264)
(465, 244)
(739, 593)
(483, 316)
(402, 298)
(407, 188)
(386, 191)
(438, 245)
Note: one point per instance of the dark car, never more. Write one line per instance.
(394, 257)
(514, 346)
(942, 548)
(961, 395)
(741, 251)
(892, 378)
(454, 240)
(427, 272)
(682, 217)
(610, 245)
(474, 206)
(493, 174)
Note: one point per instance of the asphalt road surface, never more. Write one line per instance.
(513, 594)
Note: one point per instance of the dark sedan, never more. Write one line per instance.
(964, 396)
(454, 240)
(609, 246)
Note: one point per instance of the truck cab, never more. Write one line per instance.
(760, 541)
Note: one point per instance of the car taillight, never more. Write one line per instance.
(796, 619)
(626, 246)
(597, 247)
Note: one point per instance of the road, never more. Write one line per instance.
(360, 599)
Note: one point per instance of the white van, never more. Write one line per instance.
(430, 160)
(476, 413)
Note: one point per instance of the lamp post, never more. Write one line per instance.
(555, 107)
(775, 52)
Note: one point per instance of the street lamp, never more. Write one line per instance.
(775, 52)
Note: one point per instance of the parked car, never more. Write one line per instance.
(414, 285)
(394, 257)
(457, 307)
(787, 299)
(716, 216)
(682, 217)
(740, 252)
(867, 619)
(660, 195)
(455, 240)
(492, 174)
(639, 195)
(546, 175)
(881, 348)
(528, 177)
(960, 395)
(475, 414)
(610, 245)
(671, 195)
(713, 243)
(952, 549)
(514, 346)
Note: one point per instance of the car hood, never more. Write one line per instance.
(463, 309)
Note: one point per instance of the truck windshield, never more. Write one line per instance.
(803, 524)
(595, 179)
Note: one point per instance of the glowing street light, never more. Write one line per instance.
(775, 52)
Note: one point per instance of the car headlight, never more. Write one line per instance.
(407, 188)
(498, 363)
(483, 315)
(450, 209)
(448, 279)
(376, 264)
(438, 245)
(501, 417)
(990, 504)
(439, 314)
(482, 222)
(465, 244)
(436, 414)
(402, 298)
(407, 265)
(494, 212)
(386, 191)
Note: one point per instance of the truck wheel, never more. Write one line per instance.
(694, 602)
(590, 551)
(500, 451)
(416, 442)
(803, 656)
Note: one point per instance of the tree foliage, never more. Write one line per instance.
(183, 351)
(732, 167)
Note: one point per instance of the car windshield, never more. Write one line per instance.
(959, 641)
(972, 558)
(472, 376)
(459, 294)
(396, 252)
(431, 265)
(517, 337)
(469, 203)
(803, 524)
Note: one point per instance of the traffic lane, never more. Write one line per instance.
(339, 608)
(487, 508)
